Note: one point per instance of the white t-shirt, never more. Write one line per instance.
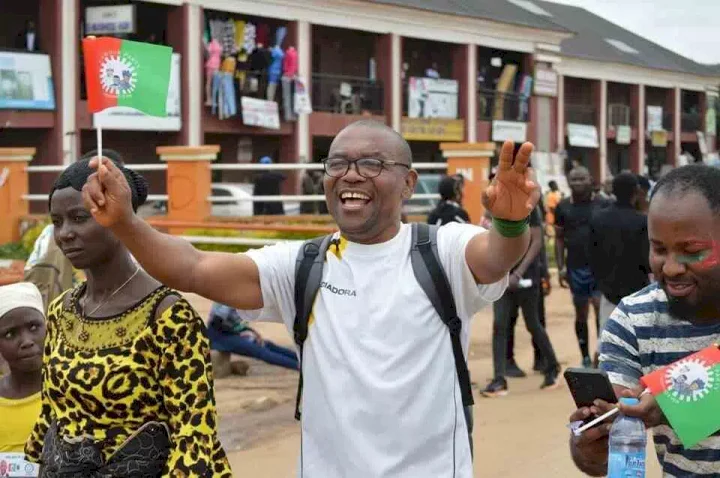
(380, 394)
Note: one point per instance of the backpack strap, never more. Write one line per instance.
(308, 275)
(431, 277)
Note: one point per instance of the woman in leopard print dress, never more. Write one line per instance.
(127, 382)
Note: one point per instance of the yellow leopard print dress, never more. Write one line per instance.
(105, 378)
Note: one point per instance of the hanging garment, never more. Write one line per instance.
(239, 35)
(280, 35)
(288, 90)
(250, 36)
(262, 34)
(290, 63)
(228, 37)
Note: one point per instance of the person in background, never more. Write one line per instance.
(522, 293)
(572, 234)
(619, 246)
(665, 322)
(643, 200)
(22, 332)
(127, 381)
(449, 209)
(308, 186)
(229, 333)
(552, 199)
(268, 183)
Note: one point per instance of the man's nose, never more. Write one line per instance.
(353, 174)
(672, 267)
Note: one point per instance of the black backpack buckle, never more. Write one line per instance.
(455, 325)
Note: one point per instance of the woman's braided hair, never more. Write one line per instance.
(75, 176)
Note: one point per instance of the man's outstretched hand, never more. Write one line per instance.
(107, 194)
(513, 193)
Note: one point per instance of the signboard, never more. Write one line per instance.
(110, 20)
(129, 119)
(301, 100)
(654, 118)
(432, 98)
(549, 167)
(261, 113)
(582, 135)
(623, 134)
(546, 81)
(26, 81)
(509, 130)
(13, 465)
(428, 129)
(658, 138)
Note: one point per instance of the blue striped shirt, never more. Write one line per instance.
(641, 337)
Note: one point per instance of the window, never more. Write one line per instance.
(622, 46)
(531, 7)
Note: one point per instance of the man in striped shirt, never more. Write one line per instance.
(671, 319)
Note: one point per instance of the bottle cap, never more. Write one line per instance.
(629, 401)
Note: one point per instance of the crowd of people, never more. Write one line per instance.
(112, 376)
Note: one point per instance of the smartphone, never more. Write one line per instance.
(588, 385)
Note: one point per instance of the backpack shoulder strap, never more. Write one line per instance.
(308, 275)
(430, 275)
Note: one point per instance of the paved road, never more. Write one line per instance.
(518, 436)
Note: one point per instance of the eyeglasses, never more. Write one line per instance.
(366, 167)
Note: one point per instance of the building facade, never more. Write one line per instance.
(486, 73)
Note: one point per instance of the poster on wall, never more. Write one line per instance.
(654, 118)
(432, 98)
(129, 119)
(262, 113)
(546, 81)
(623, 134)
(26, 81)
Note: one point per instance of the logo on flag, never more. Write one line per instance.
(690, 380)
(118, 74)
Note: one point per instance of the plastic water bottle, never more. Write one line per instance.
(628, 442)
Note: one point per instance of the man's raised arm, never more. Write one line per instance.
(231, 279)
(510, 199)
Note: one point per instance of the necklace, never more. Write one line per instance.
(111, 295)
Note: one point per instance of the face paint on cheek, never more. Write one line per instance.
(705, 259)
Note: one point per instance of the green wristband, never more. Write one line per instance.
(510, 228)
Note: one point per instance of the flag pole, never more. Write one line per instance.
(98, 131)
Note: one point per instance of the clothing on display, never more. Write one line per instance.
(212, 64)
(290, 63)
(280, 35)
(239, 35)
(262, 34)
(250, 40)
(288, 92)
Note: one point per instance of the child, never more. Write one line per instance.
(22, 332)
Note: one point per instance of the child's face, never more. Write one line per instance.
(22, 332)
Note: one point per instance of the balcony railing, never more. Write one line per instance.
(580, 113)
(619, 115)
(690, 122)
(346, 94)
(494, 105)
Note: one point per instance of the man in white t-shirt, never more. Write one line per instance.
(381, 395)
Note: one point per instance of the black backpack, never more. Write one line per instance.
(429, 274)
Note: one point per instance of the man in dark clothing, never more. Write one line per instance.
(643, 203)
(268, 184)
(543, 278)
(449, 208)
(619, 246)
(572, 232)
(523, 292)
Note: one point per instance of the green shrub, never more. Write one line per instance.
(13, 250)
(235, 248)
(31, 235)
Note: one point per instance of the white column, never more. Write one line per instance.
(602, 130)
(193, 47)
(641, 128)
(677, 126)
(396, 83)
(561, 112)
(304, 49)
(471, 120)
(68, 73)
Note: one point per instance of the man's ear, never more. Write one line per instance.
(410, 182)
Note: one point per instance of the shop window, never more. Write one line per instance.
(18, 19)
(247, 56)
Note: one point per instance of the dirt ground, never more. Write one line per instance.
(521, 435)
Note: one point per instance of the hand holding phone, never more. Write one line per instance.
(588, 385)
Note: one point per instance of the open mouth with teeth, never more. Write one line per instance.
(354, 200)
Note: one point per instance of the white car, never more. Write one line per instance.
(238, 203)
